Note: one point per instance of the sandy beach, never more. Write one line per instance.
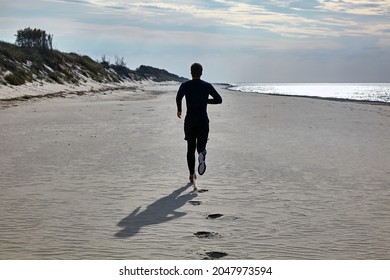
(104, 176)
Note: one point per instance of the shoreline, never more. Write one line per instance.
(383, 103)
(367, 100)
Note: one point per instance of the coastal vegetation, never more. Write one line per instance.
(32, 58)
(34, 38)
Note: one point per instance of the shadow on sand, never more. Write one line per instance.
(160, 211)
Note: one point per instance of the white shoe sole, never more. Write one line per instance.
(202, 163)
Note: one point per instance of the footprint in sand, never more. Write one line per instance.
(215, 255)
(202, 190)
(206, 234)
(214, 216)
(195, 203)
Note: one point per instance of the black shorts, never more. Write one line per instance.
(196, 129)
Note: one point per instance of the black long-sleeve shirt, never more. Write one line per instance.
(197, 94)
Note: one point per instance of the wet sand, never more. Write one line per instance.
(105, 177)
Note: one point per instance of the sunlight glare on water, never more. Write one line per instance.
(366, 92)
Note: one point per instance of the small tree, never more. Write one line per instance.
(34, 38)
(119, 61)
(105, 62)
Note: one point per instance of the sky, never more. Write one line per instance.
(235, 41)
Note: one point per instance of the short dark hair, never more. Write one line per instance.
(196, 70)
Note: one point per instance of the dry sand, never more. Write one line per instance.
(105, 177)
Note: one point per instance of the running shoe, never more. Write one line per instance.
(202, 162)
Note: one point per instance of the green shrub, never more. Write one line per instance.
(15, 80)
(56, 77)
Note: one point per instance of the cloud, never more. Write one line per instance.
(293, 18)
(239, 15)
(247, 24)
(359, 7)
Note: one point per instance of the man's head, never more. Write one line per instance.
(196, 70)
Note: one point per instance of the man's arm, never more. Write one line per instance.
(179, 97)
(217, 99)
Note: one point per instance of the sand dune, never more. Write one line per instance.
(105, 177)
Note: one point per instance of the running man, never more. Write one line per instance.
(196, 123)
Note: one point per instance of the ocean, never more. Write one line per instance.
(374, 92)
